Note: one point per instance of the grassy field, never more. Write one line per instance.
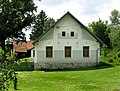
(105, 79)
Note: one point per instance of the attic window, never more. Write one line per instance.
(63, 33)
(72, 34)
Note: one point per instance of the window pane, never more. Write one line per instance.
(86, 51)
(63, 33)
(72, 34)
(49, 51)
(67, 51)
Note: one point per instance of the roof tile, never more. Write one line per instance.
(22, 46)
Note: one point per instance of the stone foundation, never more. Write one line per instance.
(63, 65)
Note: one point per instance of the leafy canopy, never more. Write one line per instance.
(115, 28)
(15, 15)
(41, 24)
(115, 17)
(101, 30)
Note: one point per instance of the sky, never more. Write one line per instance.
(86, 11)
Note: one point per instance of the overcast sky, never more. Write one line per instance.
(85, 11)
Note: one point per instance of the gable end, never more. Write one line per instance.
(81, 25)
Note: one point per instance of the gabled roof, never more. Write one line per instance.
(22, 46)
(68, 13)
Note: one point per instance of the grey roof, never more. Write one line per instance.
(68, 13)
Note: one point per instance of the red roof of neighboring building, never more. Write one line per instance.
(22, 46)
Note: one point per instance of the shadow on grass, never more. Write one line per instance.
(102, 65)
(18, 89)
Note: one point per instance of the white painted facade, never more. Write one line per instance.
(55, 39)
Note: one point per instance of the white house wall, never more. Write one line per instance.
(33, 59)
(55, 39)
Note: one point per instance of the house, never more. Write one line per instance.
(23, 48)
(67, 44)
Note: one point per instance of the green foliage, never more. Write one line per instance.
(114, 56)
(114, 53)
(15, 15)
(101, 30)
(24, 65)
(115, 17)
(41, 25)
(105, 51)
(115, 28)
(7, 73)
(115, 38)
(24, 60)
(110, 35)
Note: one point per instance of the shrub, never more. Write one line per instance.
(6, 72)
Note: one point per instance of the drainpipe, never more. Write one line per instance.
(97, 62)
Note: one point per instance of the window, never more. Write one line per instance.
(33, 53)
(86, 51)
(49, 51)
(72, 34)
(67, 51)
(63, 33)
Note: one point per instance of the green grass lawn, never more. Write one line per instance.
(107, 79)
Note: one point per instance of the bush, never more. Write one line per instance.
(24, 60)
(6, 72)
(24, 66)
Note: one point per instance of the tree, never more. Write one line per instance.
(115, 17)
(115, 28)
(41, 25)
(50, 22)
(14, 16)
(101, 30)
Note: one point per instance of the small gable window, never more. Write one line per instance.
(72, 34)
(63, 33)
